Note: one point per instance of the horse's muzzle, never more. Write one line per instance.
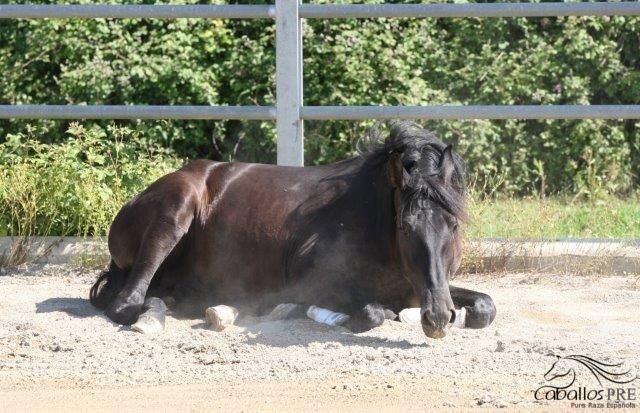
(436, 313)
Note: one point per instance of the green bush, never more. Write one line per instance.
(148, 62)
(74, 187)
(564, 60)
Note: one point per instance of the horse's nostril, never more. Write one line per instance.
(427, 318)
(436, 320)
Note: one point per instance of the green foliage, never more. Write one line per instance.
(74, 187)
(575, 60)
(152, 62)
(565, 60)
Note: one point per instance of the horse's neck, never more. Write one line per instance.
(363, 197)
(372, 195)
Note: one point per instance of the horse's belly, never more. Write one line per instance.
(235, 266)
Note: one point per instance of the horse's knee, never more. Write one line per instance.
(482, 313)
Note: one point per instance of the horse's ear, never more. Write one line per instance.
(398, 176)
(447, 164)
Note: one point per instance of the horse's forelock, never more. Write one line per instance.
(421, 154)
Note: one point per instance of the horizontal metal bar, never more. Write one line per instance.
(314, 11)
(136, 112)
(322, 10)
(322, 112)
(471, 112)
(137, 11)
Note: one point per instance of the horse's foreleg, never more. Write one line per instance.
(363, 319)
(159, 241)
(480, 307)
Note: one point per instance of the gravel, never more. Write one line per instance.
(57, 351)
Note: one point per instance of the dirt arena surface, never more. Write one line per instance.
(58, 353)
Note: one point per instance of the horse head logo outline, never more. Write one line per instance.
(566, 367)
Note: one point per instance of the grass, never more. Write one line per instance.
(554, 218)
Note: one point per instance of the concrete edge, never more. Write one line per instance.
(581, 257)
(55, 250)
(585, 256)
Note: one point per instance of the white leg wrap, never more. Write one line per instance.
(410, 316)
(220, 316)
(324, 316)
(413, 316)
(460, 319)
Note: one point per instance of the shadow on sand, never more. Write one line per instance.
(282, 334)
(75, 307)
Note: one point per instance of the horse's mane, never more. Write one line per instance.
(421, 155)
(602, 370)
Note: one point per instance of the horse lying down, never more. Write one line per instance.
(378, 231)
(151, 321)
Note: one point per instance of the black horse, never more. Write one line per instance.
(381, 228)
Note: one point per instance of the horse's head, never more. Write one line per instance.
(429, 196)
(559, 368)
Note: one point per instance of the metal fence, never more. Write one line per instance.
(289, 111)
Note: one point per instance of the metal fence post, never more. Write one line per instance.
(289, 83)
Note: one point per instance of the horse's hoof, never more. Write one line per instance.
(124, 314)
(220, 316)
(147, 325)
(286, 311)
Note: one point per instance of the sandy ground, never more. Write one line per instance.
(58, 353)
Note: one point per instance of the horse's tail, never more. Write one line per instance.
(107, 286)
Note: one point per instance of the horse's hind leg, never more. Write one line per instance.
(481, 310)
(161, 236)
